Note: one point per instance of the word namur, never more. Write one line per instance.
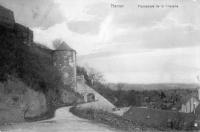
(116, 5)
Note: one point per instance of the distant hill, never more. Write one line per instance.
(125, 86)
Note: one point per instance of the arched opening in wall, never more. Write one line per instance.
(90, 97)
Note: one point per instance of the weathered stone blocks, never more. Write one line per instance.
(7, 20)
(64, 59)
(6, 17)
(23, 33)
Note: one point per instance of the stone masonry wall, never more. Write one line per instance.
(7, 20)
(64, 61)
(23, 33)
(6, 17)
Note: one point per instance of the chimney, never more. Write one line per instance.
(198, 91)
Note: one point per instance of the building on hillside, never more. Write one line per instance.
(64, 59)
(197, 118)
(190, 103)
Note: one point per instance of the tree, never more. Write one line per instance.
(90, 74)
(119, 89)
(95, 76)
(162, 95)
(82, 71)
(57, 42)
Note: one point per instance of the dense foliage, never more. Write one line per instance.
(30, 63)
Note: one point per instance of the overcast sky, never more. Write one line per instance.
(129, 44)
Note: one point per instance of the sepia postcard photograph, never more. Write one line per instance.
(99, 65)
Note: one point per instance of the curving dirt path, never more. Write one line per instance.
(63, 121)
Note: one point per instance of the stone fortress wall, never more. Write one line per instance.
(7, 20)
(23, 33)
(64, 59)
(6, 17)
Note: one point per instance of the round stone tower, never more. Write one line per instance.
(64, 58)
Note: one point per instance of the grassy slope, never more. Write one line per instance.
(160, 118)
(110, 119)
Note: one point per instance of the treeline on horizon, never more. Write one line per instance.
(154, 86)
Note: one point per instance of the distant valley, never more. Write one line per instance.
(163, 86)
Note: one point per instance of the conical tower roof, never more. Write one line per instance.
(64, 46)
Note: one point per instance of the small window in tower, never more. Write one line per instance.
(65, 57)
(66, 75)
(70, 61)
(65, 62)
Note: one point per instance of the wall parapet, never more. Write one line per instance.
(22, 32)
(6, 17)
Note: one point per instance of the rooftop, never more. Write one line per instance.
(64, 46)
(186, 98)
